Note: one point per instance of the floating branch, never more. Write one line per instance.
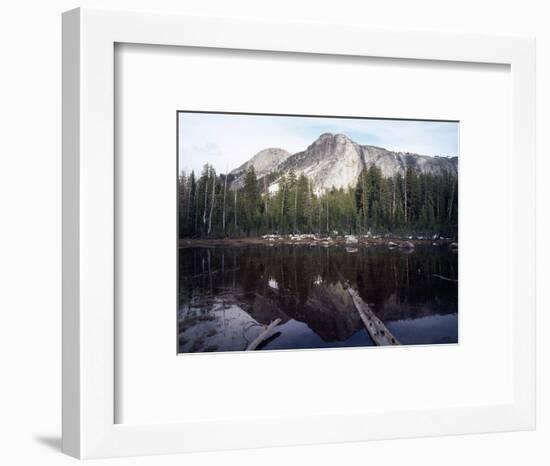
(263, 335)
(445, 278)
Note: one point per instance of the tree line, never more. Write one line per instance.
(409, 203)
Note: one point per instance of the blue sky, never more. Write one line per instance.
(227, 141)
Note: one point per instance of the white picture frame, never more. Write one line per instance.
(89, 38)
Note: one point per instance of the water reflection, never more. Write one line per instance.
(227, 294)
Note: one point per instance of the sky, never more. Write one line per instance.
(227, 141)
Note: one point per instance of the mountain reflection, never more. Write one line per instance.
(227, 294)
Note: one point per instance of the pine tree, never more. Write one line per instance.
(252, 200)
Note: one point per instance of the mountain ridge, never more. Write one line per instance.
(335, 160)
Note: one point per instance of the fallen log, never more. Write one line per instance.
(378, 332)
(380, 335)
(263, 335)
(214, 272)
(445, 278)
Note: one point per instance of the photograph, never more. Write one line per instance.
(309, 232)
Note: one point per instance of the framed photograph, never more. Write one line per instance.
(293, 233)
(334, 244)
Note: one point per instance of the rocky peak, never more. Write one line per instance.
(331, 160)
(264, 162)
(329, 143)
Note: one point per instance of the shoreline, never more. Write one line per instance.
(390, 241)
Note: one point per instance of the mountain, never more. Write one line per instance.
(264, 162)
(334, 160)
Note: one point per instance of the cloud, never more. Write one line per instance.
(227, 141)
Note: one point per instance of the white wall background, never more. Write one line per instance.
(30, 228)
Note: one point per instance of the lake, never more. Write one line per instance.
(228, 294)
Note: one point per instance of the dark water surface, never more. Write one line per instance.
(229, 293)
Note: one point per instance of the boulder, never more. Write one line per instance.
(351, 239)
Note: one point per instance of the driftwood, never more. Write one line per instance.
(376, 328)
(445, 278)
(214, 272)
(378, 332)
(263, 335)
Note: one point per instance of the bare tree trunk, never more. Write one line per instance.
(327, 218)
(181, 203)
(320, 214)
(283, 206)
(187, 217)
(236, 190)
(212, 202)
(266, 205)
(205, 197)
(267, 194)
(224, 191)
(365, 212)
(452, 200)
(394, 183)
(405, 194)
(295, 206)
(196, 207)
(438, 205)
(364, 205)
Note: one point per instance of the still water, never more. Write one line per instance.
(228, 294)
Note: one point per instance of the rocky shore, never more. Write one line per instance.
(390, 241)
